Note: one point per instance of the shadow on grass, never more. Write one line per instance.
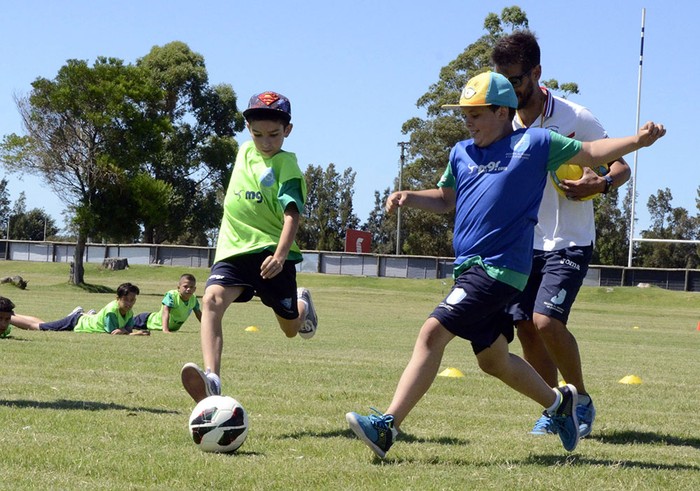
(96, 288)
(627, 437)
(575, 460)
(63, 404)
(348, 433)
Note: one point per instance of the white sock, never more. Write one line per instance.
(552, 409)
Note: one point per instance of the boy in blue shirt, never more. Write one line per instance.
(494, 181)
(256, 250)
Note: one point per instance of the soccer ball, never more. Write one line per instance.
(219, 424)
(573, 173)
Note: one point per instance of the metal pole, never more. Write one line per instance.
(403, 146)
(636, 154)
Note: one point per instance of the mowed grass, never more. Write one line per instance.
(92, 411)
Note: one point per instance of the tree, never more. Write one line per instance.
(381, 225)
(612, 231)
(88, 131)
(197, 153)
(4, 204)
(668, 222)
(432, 138)
(328, 212)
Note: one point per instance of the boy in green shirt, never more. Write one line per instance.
(176, 307)
(256, 252)
(115, 318)
(6, 312)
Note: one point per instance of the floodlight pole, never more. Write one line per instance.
(636, 153)
(403, 146)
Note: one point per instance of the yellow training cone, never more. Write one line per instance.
(451, 372)
(252, 329)
(631, 380)
(635, 327)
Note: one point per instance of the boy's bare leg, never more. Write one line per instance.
(515, 372)
(26, 322)
(216, 300)
(421, 370)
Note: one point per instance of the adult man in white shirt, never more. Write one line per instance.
(565, 233)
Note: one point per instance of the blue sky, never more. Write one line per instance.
(354, 70)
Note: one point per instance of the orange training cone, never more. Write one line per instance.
(698, 325)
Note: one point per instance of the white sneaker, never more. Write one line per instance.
(198, 384)
(77, 310)
(310, 324)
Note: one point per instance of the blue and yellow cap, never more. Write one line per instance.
(487, 89)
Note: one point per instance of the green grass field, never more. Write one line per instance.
(92, 411)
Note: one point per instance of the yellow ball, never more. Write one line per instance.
(573, 172)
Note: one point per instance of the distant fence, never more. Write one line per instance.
(341, 263)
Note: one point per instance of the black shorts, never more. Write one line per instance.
(278, 293)
(475, 309)
(554, 282)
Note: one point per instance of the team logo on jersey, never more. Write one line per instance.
(268, 178)
(250, 195)
(520, 143)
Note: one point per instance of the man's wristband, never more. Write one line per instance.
(608, 184)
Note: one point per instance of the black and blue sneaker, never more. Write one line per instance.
(586, 416)
(376, 430)
(564, 417)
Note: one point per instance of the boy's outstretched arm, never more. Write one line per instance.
(272, 265)
(438, 200)
(603, 151)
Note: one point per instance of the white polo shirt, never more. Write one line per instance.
(561, 222)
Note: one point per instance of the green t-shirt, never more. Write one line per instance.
(106, 320)
(179, 311)
(258, 193)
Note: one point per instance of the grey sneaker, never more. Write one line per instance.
(564, 417)
(376, 430)
(198, 384)
(586, 416)
(310, 324)
(91, 312)
(77, 310)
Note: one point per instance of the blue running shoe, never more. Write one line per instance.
(377, 431)
(565, 419)
(586, 415)
(544, 426)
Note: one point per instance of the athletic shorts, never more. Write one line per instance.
(554, 282)
(475, 309)
(65, 324)
(278, 293)
(141, 320)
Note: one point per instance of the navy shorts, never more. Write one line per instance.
(475, 309)
(141, 320)
(554, 282)
(65, 324)
(278, 293)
